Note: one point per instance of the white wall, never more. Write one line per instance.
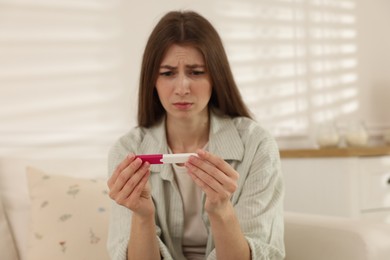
(374, 63)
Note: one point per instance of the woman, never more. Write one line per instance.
(226, 202)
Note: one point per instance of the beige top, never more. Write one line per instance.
(195, 233)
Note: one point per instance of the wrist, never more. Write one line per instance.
(143, 219)
(224, 212)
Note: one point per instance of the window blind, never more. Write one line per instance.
(295, 61)
(62, 71)
(60, 81)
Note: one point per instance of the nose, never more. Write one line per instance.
(182, 86)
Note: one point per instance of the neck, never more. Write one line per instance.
(187, 136)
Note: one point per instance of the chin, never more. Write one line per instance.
(182, 114)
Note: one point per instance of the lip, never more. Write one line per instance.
(182, 105)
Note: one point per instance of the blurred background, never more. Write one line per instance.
(69, 69)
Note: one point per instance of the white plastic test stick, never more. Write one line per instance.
(165, 158)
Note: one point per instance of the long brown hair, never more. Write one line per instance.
(190, 29)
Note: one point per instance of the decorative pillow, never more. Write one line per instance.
(69, 217)
(14, 186)
(7, 246)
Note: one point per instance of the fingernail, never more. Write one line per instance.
(200, 151)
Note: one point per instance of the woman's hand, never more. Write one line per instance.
(215, 177)
(130, 188)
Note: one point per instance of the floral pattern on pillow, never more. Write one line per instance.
(69, 217)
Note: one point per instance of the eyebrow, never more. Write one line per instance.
(192, 66)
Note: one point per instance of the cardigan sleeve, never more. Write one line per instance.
(120, 217)
(119, 234)
(259, 207)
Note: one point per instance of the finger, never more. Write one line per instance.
(128, 159)
(212, 194)
(135, 179)
(125, 175)
(203, 185)
(207, 168)
(203, 168)
(218, 162)
(139, 191)
(130, 185)
(140, 187)
(205, 178)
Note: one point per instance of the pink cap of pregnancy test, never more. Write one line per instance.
(151, 158)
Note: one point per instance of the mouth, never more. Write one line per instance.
(182, 105)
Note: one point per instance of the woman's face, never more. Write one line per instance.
(183, 84)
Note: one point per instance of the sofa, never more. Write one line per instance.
(58, 208)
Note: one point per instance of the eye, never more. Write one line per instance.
(197, 72)
(166, 73)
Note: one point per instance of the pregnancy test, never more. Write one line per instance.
(165, 158)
